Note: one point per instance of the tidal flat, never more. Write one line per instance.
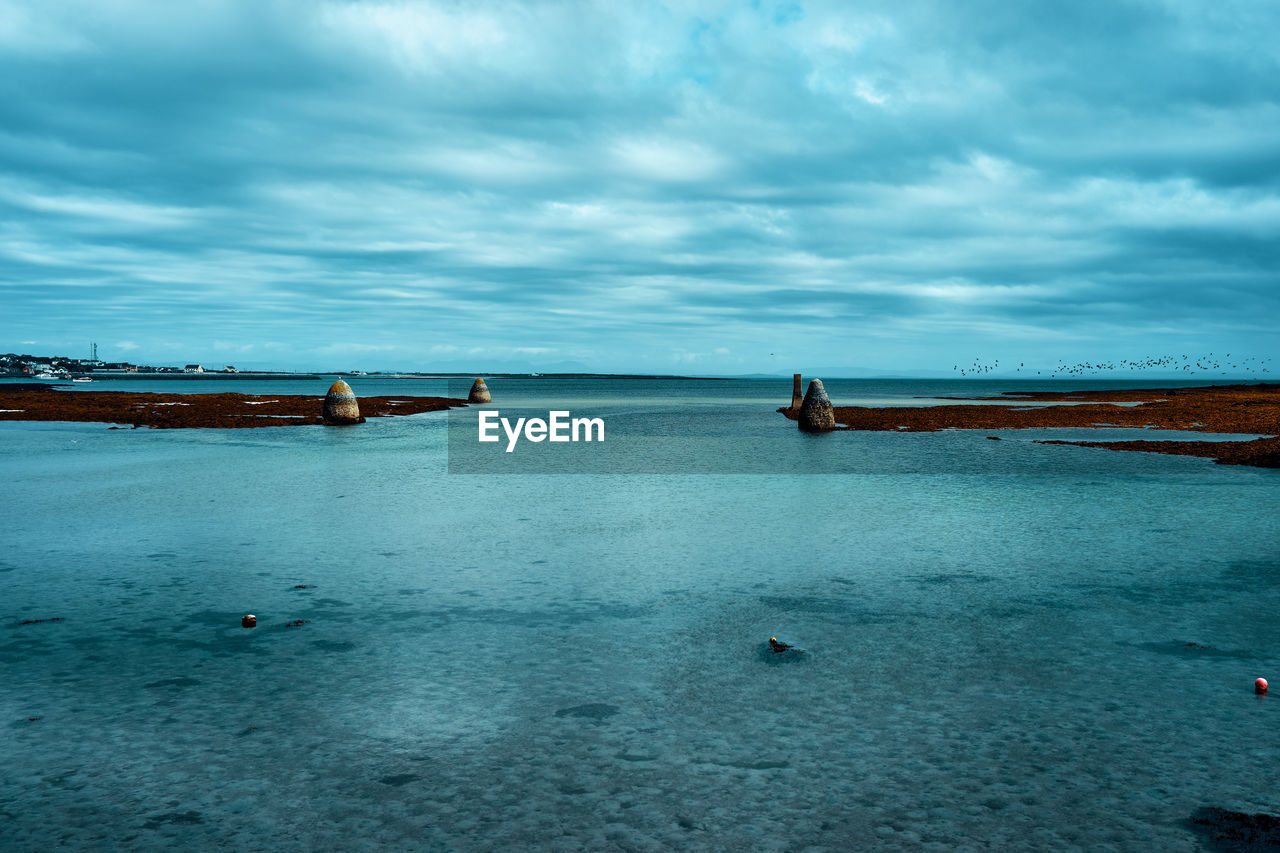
(1007, 644)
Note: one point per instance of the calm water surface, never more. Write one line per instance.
(997, 633)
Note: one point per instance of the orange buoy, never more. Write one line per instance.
(1260, 686)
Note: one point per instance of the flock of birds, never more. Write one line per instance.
(1251, 366)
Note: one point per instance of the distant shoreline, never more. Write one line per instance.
(103, 376)
(1240, 409)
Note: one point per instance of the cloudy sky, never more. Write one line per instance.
(703, 187)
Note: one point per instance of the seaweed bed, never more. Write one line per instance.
(1247, 409)
(28, 402)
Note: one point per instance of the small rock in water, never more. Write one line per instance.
(399, 779)
(479, 392)
(816, 414)
(1234, 830)
(340, 405)
(776, 651)
(593, 711)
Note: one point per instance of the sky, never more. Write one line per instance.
(703, 187)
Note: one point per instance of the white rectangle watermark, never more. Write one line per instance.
(559, 426)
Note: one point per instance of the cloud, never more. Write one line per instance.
(573, 179)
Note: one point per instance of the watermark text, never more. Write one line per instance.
(559, 426)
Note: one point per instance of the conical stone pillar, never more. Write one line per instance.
(816, 414)
(796, 397)
(479, 393)
(340, 405)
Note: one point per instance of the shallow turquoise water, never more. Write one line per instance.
(577, 662)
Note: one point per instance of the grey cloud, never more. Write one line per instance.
(553, 170)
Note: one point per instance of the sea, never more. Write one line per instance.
(996, 644)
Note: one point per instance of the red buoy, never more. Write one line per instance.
(1260, 686)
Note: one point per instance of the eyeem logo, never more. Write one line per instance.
(558, 426)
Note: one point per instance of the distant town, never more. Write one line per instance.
(13, 365)
(63, 367)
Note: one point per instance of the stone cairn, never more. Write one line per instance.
(479, 393)
(340, 405)
(796, 395)
(816, 414)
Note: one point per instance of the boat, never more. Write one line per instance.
(82, 379)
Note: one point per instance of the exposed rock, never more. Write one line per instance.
(796, 398)
(1230, 830)
(816, 414)
(777, 652)
(479, 392)
(340, 405)
(594, 711)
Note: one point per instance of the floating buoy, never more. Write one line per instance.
(1260, 686)
(249, 621)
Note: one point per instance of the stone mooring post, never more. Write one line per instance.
(796, 397)
(479, 393)
(340, 406)
(816, 414)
